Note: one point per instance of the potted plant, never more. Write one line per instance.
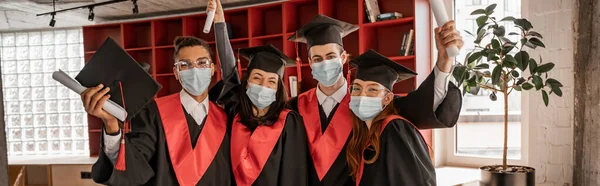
(509, 63)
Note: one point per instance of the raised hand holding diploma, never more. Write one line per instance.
(441, 17)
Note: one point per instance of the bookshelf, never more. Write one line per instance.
(151, 40)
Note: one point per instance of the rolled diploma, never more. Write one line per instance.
(441, 17)
(66, 80)
(209, 20)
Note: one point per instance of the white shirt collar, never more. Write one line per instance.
(190, 104)
(337, 96)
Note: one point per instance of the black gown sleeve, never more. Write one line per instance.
(406, 156)
(140, 147)
(294, 171)
(417, 106)
(228, 97)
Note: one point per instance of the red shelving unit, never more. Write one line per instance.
(151, 40)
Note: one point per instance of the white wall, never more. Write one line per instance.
(551, 128)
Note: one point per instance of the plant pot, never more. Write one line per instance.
(526, 177)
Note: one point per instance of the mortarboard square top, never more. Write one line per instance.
(372, 66)
(323, 30)
(267, 58)
(111, 65)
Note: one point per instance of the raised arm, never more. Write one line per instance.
(230, 77)
(437, 102)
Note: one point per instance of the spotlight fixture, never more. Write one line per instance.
(135, 7)
(91, 15)
(52, 21)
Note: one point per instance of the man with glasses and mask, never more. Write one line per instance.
(179, 139)
(326, 111)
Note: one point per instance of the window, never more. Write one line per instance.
(479, 132)
(474, 2)
(42, 117)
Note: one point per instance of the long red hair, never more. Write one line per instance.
(361, 136)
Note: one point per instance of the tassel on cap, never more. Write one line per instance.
(120, 164)
(298, 66)
(239, 64)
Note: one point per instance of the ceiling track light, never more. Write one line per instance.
(135, 8)
(52, 21)
(91, 14)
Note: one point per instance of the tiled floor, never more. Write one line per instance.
(451, 176)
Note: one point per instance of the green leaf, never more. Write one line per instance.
(469, 33)
(527, 86)
(459, 73)
(537, 42)
(524, 24)
(515, 73)
(474, 90)
(496, 75)
(490, 9)
(481, 20)
(535, 34)
(522, 58)
(478, 11)
(518, 88)
(545, 97)
(514, 34)
(510, 61)
(520, 81)
(495, 44)
(544, 68)
(532, 66)
(482, 66)
(557, 91)
(487, 73)
(508, 18)
(538, 82)
(507, 42)
(553, 82)
(493, 96)
(499, 31)
(474, 57)
(472, 81)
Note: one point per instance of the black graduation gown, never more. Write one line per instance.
(338, 173)
(287, 160)
(147, 155)
(417, 106)
(403, 158)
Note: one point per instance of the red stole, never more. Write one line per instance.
(249, 153)
(386, 121)
(190, 164)
(324, 147)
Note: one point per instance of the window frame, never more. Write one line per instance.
(445, 139)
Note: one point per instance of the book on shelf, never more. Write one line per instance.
(372, 8)
(403, 46)
(389, 16)
(407, 43)
(411, 51)
(293, 80)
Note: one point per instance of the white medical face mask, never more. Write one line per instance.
(364, 107)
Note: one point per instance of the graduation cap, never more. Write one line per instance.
(372, 66)
(323, 30)
(267, 58)
(130, 85)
